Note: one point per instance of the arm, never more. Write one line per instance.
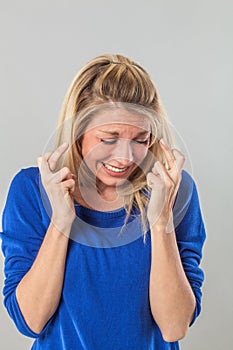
(35, 259)
(175, 278)
(38, 293)
(171, 297)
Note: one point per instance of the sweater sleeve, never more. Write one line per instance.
(23, 232)
(190, 235)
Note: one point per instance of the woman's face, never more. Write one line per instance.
(114, 144)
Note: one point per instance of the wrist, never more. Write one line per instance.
(163, 225)
(63, 225)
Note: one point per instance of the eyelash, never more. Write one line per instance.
(111, 142)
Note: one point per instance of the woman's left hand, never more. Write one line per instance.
(164, 181)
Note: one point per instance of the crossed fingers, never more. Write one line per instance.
(49, 160)
(174, 161)
(48, 163)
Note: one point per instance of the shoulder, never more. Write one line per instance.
(187, 214)
(187, 186)
(24, 215)
(25, 178)
(186, 176)
(29, 173)
(24, 184)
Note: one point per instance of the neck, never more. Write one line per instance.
(105, 199)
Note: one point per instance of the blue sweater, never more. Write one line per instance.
(104, 302)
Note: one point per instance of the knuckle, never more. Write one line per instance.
(65, 170)
(70, 183)
(42, 157)
(67, 183)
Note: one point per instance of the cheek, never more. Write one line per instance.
(140, 152)
(96, 153)
(90, 146)
(85, 146)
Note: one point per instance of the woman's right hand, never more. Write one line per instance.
(59, 186)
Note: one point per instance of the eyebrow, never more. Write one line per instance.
(116, 133)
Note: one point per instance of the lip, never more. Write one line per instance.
(115, 174)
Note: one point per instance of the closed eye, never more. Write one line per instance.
(112, 141)
(108, 142)
(144, 142)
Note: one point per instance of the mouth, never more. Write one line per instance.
(115, 170)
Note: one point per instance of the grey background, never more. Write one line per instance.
(187, 48)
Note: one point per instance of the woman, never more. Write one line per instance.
(103, 240)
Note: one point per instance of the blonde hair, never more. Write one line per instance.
(114, 81)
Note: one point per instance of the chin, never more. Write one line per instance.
(111, 182)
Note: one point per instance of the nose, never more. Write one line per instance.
(123, 152)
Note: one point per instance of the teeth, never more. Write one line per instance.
(116, 170)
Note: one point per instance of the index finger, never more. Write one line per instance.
(55, 156)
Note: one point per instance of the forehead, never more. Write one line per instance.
(118, 118)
